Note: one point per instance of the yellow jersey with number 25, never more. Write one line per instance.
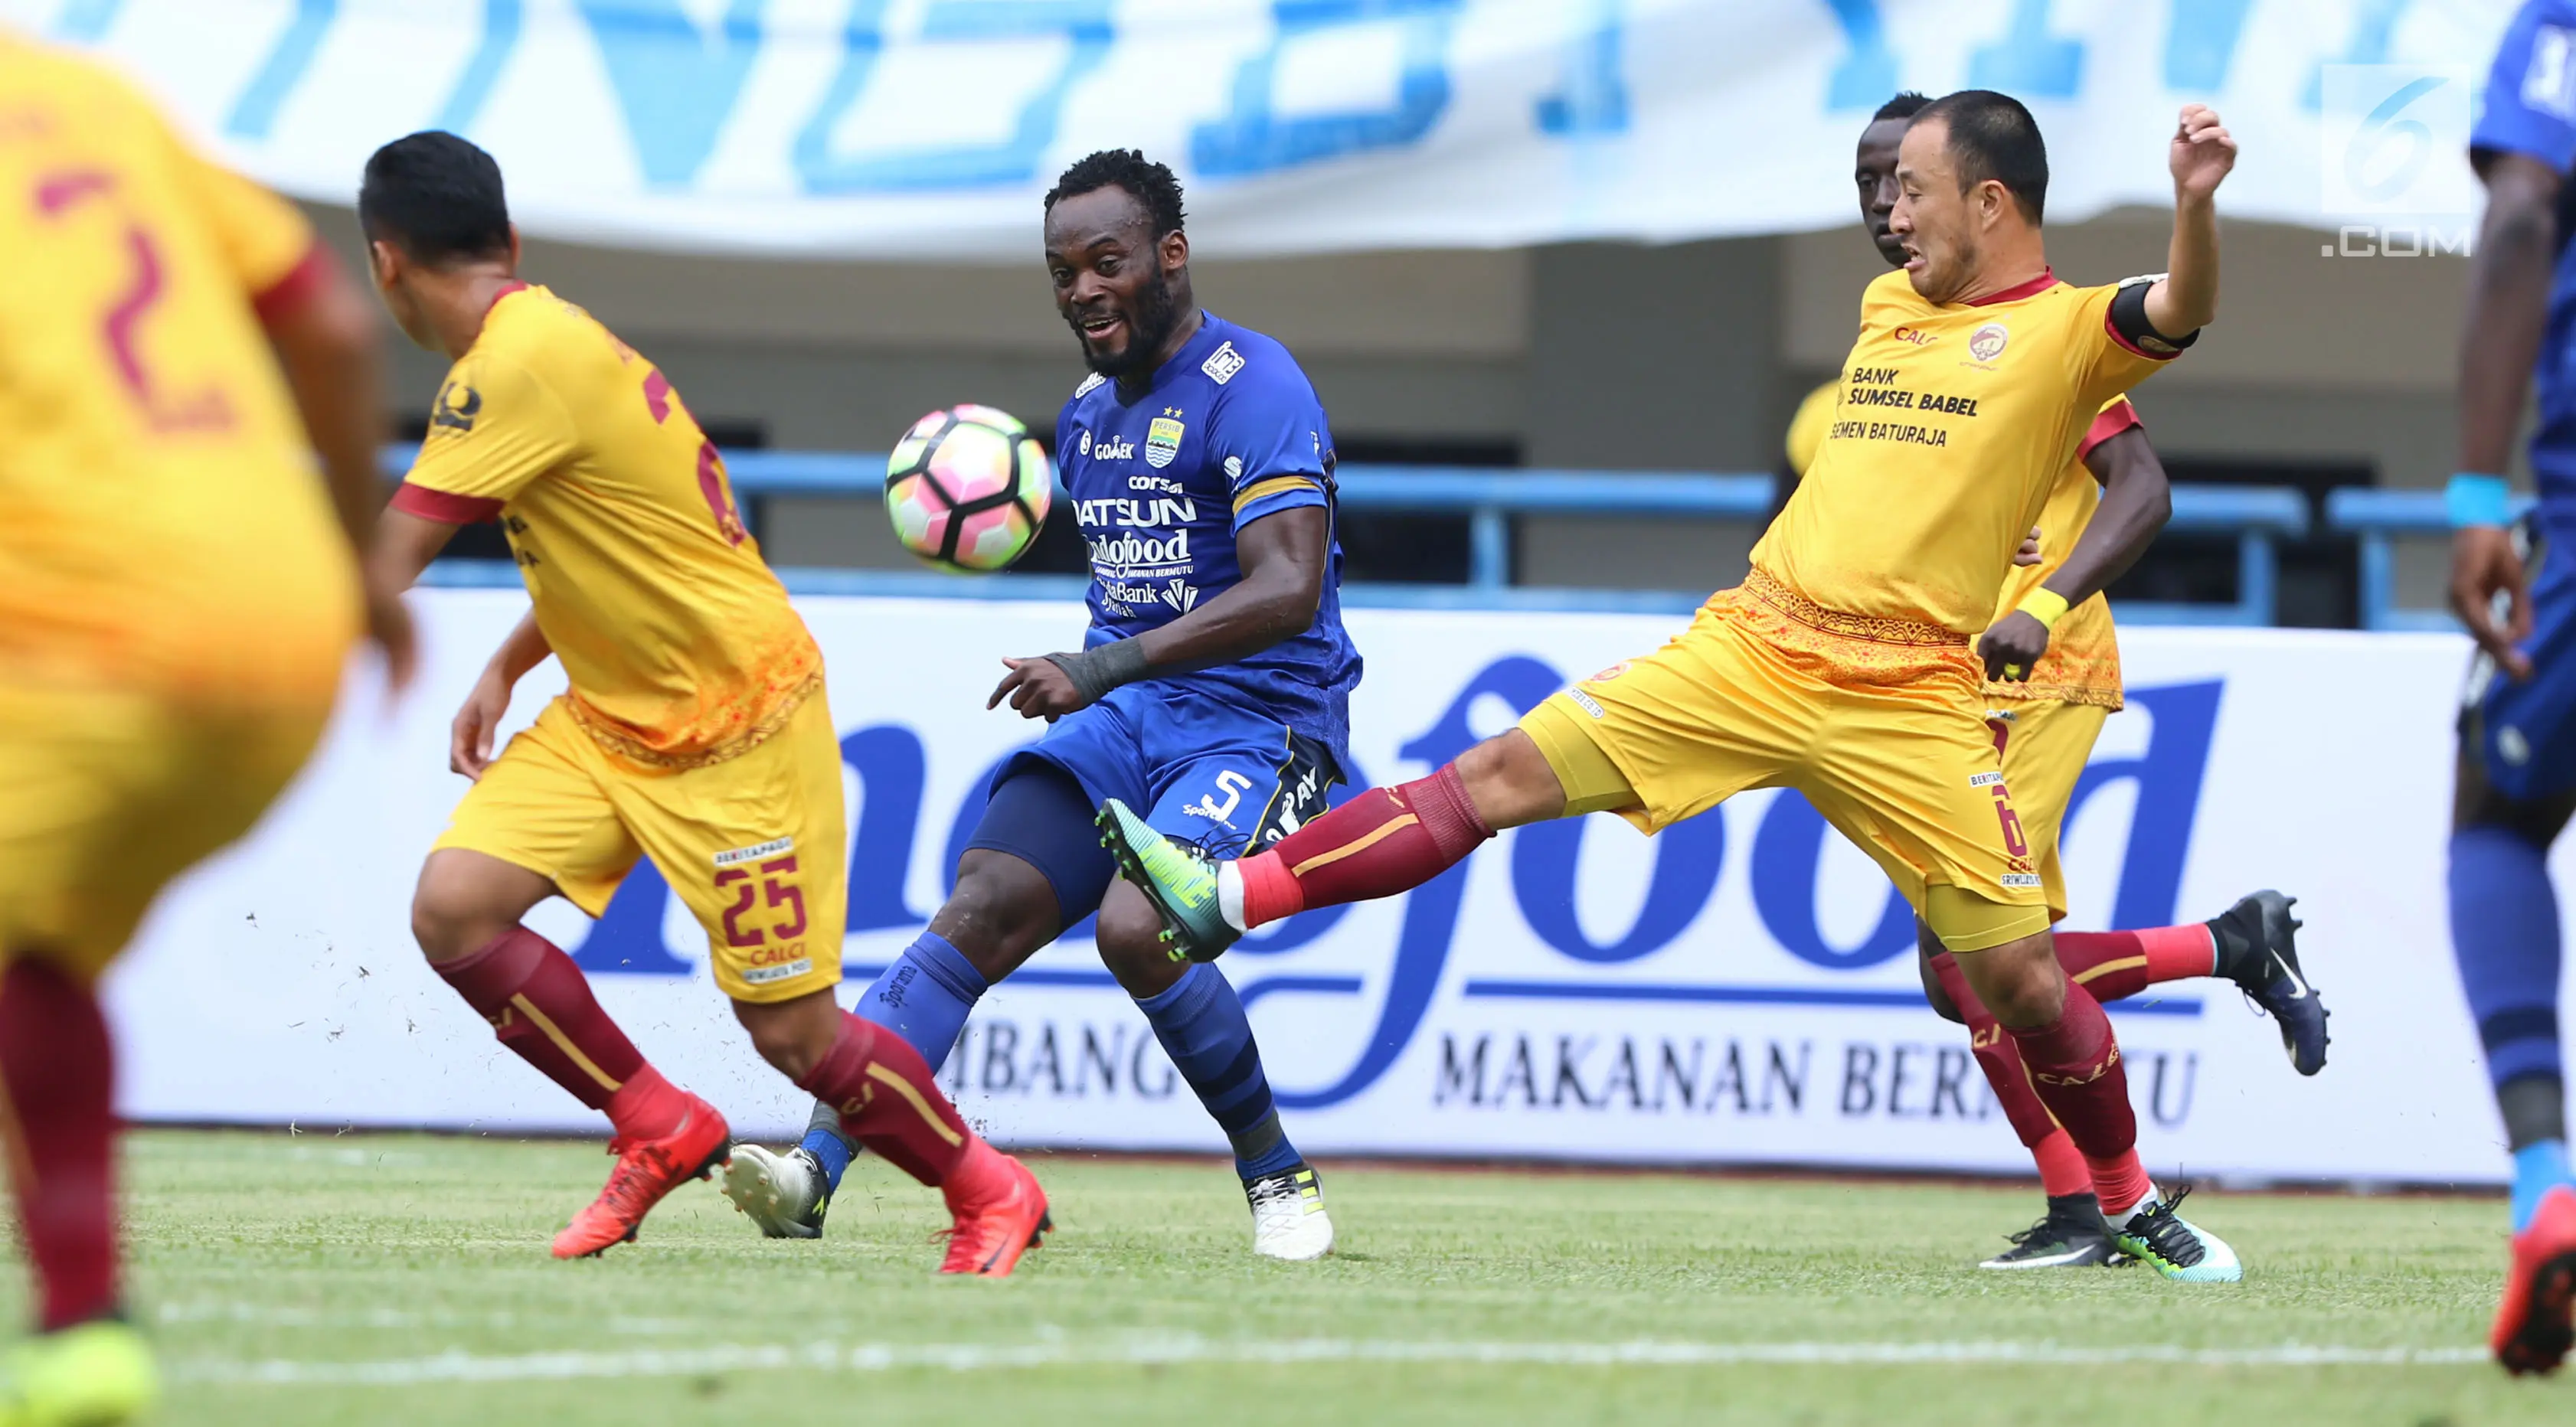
(1954, 424)
(679, 644)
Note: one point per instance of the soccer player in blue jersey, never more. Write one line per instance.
(1212, 687)
(2517, 749)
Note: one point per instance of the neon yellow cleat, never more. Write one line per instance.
(94, 1375)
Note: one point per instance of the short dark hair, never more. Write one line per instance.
(1905, 105)
(1152, 184)
(1993, 136)
(436, 197)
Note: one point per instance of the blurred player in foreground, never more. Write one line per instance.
(2517, 734)
(176, 605)
(695, 730)
(1213, 686)
(2049, 721)
(1842, 666)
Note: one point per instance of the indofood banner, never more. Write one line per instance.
(927, 129)
(1741, 989)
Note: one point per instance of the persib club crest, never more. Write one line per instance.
(1163, 442)
(1987, 342)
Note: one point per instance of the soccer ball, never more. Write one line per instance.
(967, 488)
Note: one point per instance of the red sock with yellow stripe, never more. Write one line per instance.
(1383, 841)
(541, 1007)
(2117, 965)
(890, 1101)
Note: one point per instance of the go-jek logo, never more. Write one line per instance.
(891, 762)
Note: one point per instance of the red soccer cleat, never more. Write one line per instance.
(2533, 1327)
(646, 1171)
(1001, 1214)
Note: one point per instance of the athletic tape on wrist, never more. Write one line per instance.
(1097, 670)
(2045, 605)
(2472, 499)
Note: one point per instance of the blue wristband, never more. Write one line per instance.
(2478, 500)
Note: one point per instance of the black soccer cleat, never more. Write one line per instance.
(2258, 950)
(2070, 1235)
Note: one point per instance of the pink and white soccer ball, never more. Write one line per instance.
(968, 488)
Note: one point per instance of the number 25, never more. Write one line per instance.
(777, 893)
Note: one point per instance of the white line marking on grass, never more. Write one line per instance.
(459, 1366)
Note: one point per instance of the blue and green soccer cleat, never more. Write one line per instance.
(2157, 1235)
(1177, 878)
(95, 1374)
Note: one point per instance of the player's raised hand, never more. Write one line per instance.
(2011, 648)
(2202, 152)
(2483, 566)
(1037, 688)
(469, 738)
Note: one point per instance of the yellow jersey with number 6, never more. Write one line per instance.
(679, 644)
(164, 530)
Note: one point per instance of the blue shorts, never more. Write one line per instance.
(2524, 732)
(1226, 779)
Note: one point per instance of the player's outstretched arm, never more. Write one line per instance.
(2137, 500)
(1283, 558)
(2509, 277)
(328, 345)
(2202, 152)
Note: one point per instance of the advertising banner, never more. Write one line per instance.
(1741, 989)
(928, 129)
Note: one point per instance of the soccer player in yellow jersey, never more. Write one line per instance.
(1843, 666)
(695, 730)
(2050, 721)
(177, 598)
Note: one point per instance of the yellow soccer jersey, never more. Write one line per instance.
(2082, 664)
(166, 531)
(1953, 426)
(680, 645)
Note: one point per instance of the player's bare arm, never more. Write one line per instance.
(2202, 152)
(404, 545)
(328, 347)
(2137, 500)
(1283, 558)
(469, 736)
(2509, 276)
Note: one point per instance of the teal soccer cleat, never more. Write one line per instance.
(2157, 1235)
(1177, 878)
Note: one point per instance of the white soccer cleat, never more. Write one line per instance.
(1288, 1218)
(786, 1195)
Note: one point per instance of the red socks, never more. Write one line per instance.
(60, 1075)
(1383, 841)
(2062, 1170)
(2117, 965)
(540, 1005)
(890, 1101)
(2074, 1064)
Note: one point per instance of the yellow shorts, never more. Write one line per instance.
(1880, 725)
(756, 846)
(2046, 745)
(105, 796)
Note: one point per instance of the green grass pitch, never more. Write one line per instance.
(404, 1279)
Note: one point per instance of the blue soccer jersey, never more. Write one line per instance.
(2529, 108)
(1228, 431)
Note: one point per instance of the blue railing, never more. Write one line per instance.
(2256, 516)
(2378, 518)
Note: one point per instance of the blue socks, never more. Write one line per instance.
(924, 997)
(2537, 1169)
(824, 1140)
(1201, 1024)
(2504, 932)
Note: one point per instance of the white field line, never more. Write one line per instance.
(459, 1366)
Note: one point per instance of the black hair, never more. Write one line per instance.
(1151, 183)
(1993, 136)
(436, 197)
(1905, 105)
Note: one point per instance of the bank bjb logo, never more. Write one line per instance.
(1586, 939)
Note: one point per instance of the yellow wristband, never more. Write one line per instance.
(2045, 605)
